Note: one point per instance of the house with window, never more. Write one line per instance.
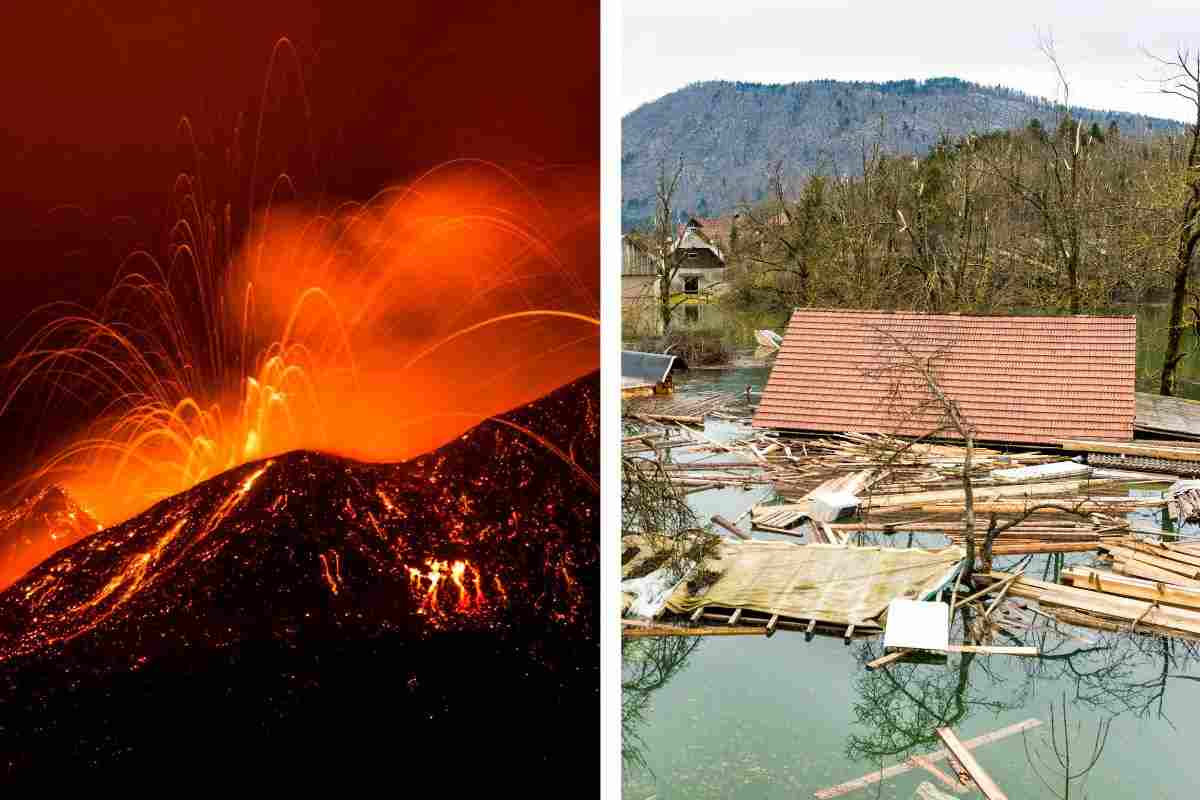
(701, 269)
(701, 263)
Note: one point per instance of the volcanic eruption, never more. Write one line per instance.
(333, 470)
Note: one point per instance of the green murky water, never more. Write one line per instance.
(751, 717)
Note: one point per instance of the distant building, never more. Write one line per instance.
(701, 271)
(701, 263)
(639, 268)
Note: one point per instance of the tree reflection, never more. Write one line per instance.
(901, 705)
(647, 664)
(1109, 673)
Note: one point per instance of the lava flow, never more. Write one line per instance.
(306, 543)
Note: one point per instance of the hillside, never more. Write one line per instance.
(728, 133)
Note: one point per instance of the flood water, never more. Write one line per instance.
(755, 717)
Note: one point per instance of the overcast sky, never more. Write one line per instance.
(671, 43)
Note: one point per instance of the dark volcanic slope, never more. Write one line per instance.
(296, 590)
(728, 133)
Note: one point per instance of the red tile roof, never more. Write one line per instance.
(1031, 380)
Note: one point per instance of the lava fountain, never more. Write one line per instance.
(374, 330)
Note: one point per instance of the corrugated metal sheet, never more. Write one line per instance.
(649, 367)
(1018, 379)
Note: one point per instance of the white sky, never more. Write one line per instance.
(668, 44)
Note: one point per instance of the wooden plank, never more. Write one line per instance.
(729, 526)
(1156, 591)
(1165, 450)
(672, 630)
(951, 783)
(1159, 551)
(982, 494)
(1114, 606)
(934, 757)
(1168, 564)
(1137, 569)
(993, 650)
(962, 754)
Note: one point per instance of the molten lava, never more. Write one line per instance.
(313, 542)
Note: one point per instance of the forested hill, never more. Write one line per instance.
(729, 133)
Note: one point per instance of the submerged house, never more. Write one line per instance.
(1027, 380)
(701, 263)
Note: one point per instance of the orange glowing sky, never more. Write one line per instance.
(92, 146)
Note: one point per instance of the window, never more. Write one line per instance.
(691, 284)
(691, 314)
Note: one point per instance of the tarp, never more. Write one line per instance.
(646, 596)
(829, 583)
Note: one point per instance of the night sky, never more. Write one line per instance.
(92, 94)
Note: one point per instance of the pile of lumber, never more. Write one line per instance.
(1177, 564)
(692, 407)
(1105, 600)
(1037, 535)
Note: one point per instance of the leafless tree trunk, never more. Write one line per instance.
(912, 363)
(1183, 81)
(664, 237)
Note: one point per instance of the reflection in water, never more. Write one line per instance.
(647, 664)
(1110, 674)
(900, 706)
(1066, 765)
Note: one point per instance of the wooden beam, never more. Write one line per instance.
(733, 618)
(910, 764)
(1168, 564)
(729, 526)
(1108, 605)
(1156, 591)
(952, 784)
(993, 650)
(1137, 569)
(962, 754)
(672, 630)
(1165, 450)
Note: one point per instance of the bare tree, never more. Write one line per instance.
(1057, 199)
(1183, 80)
(666, 256)
(909, 369)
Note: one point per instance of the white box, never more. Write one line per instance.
(918, 625)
